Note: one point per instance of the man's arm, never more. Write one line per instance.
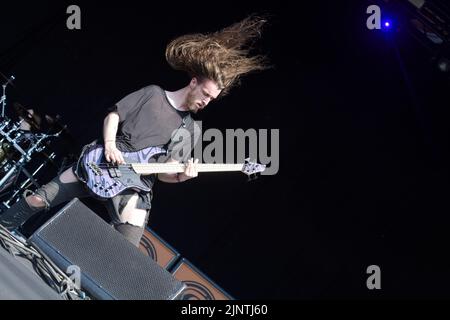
(189, 173)
(110, 126)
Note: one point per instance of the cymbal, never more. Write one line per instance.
(33, 119)
(57, 126)
(53, 121)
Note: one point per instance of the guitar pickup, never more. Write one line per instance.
(114, 172)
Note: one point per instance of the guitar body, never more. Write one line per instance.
(106, 180)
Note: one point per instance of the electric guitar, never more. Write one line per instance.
(106, 180)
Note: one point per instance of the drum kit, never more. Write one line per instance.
(26, 150)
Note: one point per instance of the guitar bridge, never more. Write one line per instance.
(93, 166)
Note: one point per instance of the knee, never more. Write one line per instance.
(135, 217)
(35, 201)
(130, 232)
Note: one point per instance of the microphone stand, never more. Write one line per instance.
(3, 98)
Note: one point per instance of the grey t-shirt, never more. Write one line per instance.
(147, 119)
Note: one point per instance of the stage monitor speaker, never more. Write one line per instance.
(198, 285)
(111, 267)
(160, 251)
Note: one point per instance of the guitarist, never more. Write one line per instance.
(148, 117)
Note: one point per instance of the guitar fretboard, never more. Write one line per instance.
(151, 168)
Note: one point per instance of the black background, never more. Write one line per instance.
(362, 116)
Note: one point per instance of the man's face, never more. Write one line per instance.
(201, 93)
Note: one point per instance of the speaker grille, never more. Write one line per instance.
(111, 267)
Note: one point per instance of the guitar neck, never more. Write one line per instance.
(152, 168)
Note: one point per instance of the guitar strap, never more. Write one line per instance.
(185, 123)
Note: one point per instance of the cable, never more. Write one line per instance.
(44, 267)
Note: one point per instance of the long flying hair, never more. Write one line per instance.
(223, 56)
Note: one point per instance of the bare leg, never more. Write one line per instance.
(131, 215)
(60, 189)
(132, 221)
(36, 201)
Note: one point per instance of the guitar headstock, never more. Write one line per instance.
(252, 168)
